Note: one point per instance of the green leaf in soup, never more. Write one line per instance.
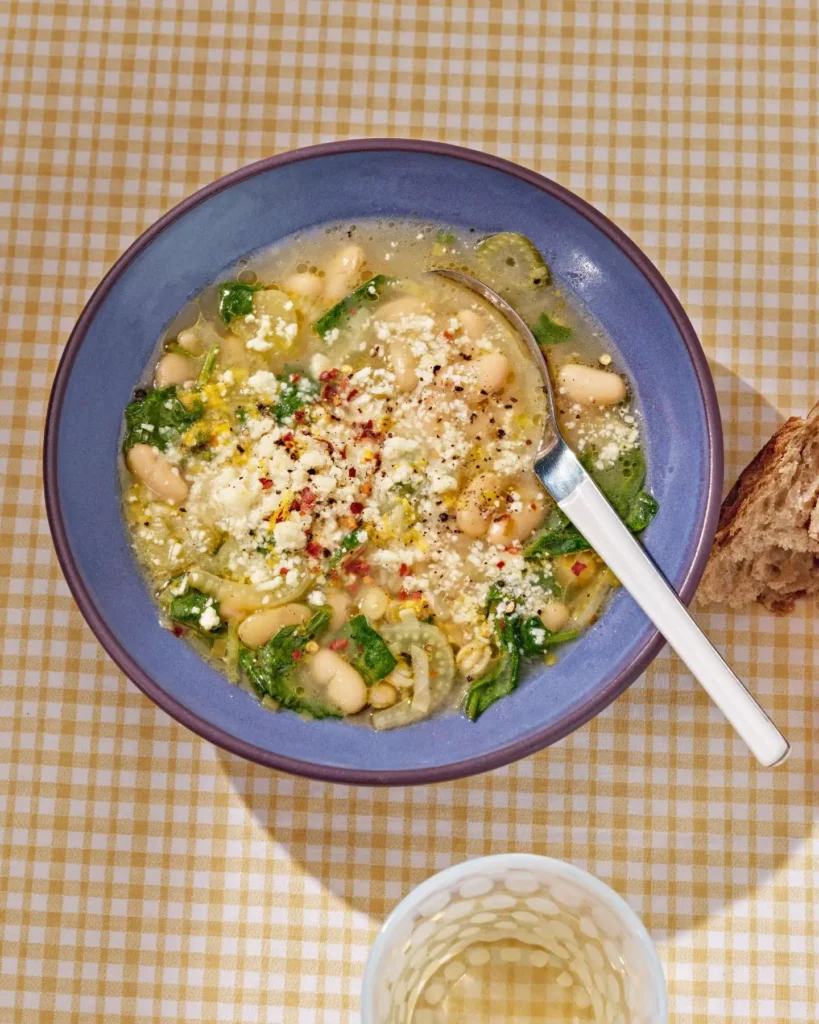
(368, 652)
(558, 536)
(622, 481)
(207, 366)
(187, 609)
(158, 419)
(641, 511)
(536, 639)
(236, 299)
(273, 668)
(501, 678)
(445, 238)
(350, 543)
(294, 395)
(338, 316)
(548, 332)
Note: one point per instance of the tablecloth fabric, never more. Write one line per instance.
(145, 875)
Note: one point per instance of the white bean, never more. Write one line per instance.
(554, 615)
(403, 366)
(383, 695)
(406, 305)
(149, 465)
(307, 285)
(339, 603)
(489, 373)
(590, 386)
(319, 364)
(477, 503)
(345, 687)
(516, 526)
(374, 603)
(260, 627)
(472, 323)
(189, 340)
(341, 272)
(174, 368)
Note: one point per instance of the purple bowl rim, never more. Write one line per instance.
(517, 749)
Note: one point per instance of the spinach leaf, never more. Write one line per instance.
(236, 299)
(158, 419)
(349, 544)
(549, 332)
(445, 238)
(272, 668)
(369, 653)
(559, 536)
(339, 315)
(187, 610)
(641, 511)
(293, 396)
(536, 639)
(501, 678)
(622, 484)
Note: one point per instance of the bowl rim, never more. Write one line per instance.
(517, 749)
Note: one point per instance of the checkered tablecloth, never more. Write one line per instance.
(146, 876)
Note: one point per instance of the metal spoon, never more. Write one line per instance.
(562, 474)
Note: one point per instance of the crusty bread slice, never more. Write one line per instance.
(767, 543)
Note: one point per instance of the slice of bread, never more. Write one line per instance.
(767, 543)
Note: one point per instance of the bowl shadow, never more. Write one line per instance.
(676, 817)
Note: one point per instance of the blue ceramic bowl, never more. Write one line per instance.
(188, 249)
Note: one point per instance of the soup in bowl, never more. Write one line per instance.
(325, 472)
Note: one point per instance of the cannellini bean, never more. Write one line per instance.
(339, 603)
(406, 305)
(517, 526)
(341, 272)
(489, 373)
(319, 364)
(383, 695)
(174, 368)
(149, 465)
(477, 504)
(306, 285)
(472, 323)
(260, 627)
(589, 385)
(374, 603)
(189, 340)
(554, 615)
(345, 687)
(472, 660)
(403, 366)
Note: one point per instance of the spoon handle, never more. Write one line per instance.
(585, 505)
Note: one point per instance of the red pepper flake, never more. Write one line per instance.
(366, 431)
(295, 377)
(314, 549)
(448, 335)
(410, 595)
(357, 567)
(500, 565)
(307, 498)
(178, 631)
(578, 567)
(339, 645)
(297, 654)
(288, 437)
(403, 569)
(300, 415)
(282, 572)
(356, 508)
(352, 394)
(329, 394)
(326, 375)
(351, 472)
(266, 484)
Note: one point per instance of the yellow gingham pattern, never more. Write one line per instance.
(146, 876)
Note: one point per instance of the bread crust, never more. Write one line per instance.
(766, 547)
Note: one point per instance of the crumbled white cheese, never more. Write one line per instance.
(209, 619)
